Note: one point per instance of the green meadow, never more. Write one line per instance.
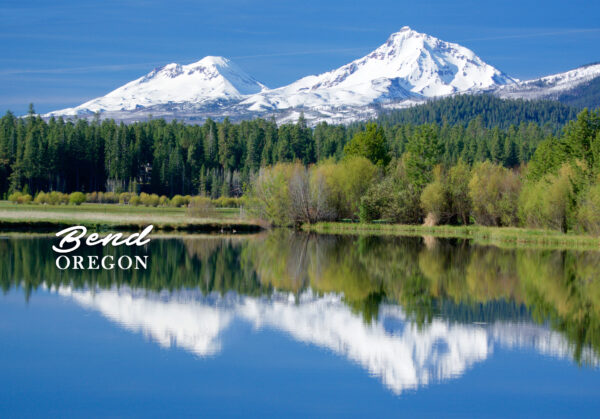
(30, 217)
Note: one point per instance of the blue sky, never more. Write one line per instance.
(62, 53)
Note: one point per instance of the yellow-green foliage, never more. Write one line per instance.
(588, 214)
(545, 203)
(52, 198)
(494, 192)
(58, 198)
(108, 198)
(177, 201)
(226, 202)
(446, 199)
(149, 200)
(14, 197)
(458, 191)
(20, 198)
(24, 199)
(290, 193)
(135, 201)
(91, 197)
(125, 197)
(164, 201)
(76, 198)
(347, 182)
(269, 197)
(41, 198)
(434, 199)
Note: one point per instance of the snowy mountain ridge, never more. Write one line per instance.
(409, 65)
(210, 79)
(409, 68)
(550, 87)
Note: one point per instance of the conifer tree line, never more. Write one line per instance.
(498, 182)
(493, 111)
(219, 158)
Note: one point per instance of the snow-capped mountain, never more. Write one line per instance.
(551, 87)
(410, 65)
(209, 80)
(409, 68)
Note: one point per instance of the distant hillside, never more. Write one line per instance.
(493, 111)
(577, 87)
(584, 95)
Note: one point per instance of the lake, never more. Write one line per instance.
(295, 324)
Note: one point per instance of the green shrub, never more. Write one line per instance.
(545, 203)
(309, 196)
(373, 203)
(41, 198)
(269, 197)
(392, 200)
(111, 198)
(588, 213)
(434, 201)
(149, 200)
(108, 198)
(164, 201)
(135, 201)
(177, 201)
(228, 202)
(458, 191)
(494, 192)
(24, 199)
(57, 198)
(153, 200)
(125, 197)
(14, 197)
(76, 198)
(91, 197)
(446, 199)
(346, 182)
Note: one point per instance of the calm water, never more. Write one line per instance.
(296, 325)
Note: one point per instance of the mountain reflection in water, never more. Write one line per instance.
(393, 348)
(409, 313)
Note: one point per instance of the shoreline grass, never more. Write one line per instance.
(27, 218)
(498, 236)
(103, 217)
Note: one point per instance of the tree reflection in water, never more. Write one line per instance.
(409, 311)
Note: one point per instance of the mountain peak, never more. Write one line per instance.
(210, 79)
(212, 60)
(409, 67)
(406, 32)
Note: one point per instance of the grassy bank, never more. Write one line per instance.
(99, 217)
(500, 236)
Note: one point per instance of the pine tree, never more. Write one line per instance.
(370, 143)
